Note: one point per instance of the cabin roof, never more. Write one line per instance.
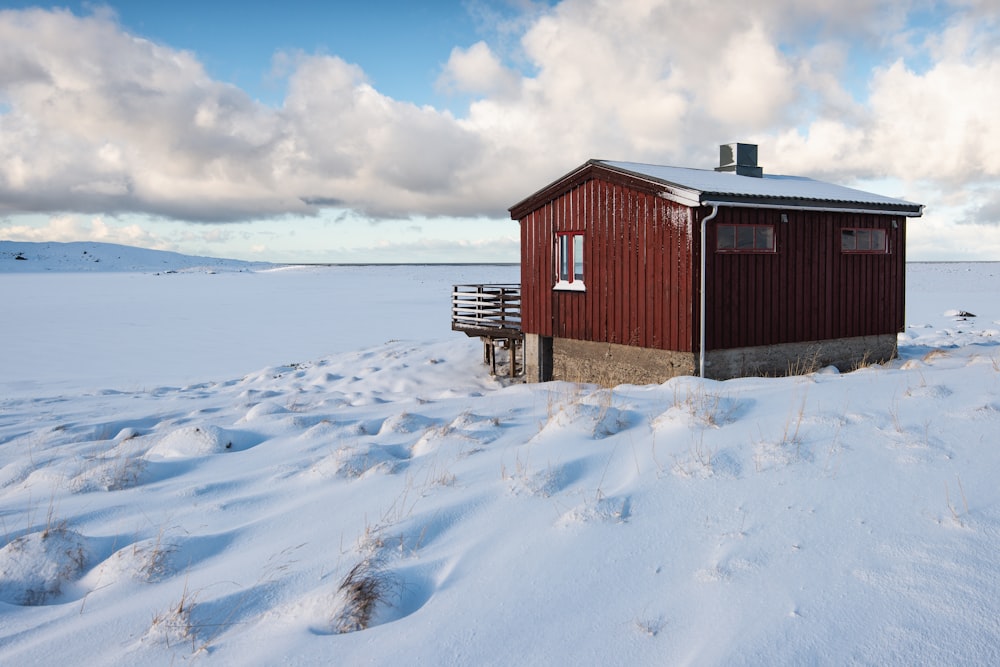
(701, 187)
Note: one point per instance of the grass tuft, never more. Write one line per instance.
(934, 354)
(175, 624)
(805, 365)
(363, 589)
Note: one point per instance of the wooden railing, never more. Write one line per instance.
(486, 309)
(493, 313)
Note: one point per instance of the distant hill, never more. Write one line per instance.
(25, 257)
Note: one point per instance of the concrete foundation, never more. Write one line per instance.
(610, 364)
(847, 354)
(537, 358)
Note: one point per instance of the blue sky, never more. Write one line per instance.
(401, 45)
(400, 131)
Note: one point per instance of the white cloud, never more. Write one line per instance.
(937, 239)
(988, 211)
(477, 70)
(67, 228)
(102, 121)
(751, 83)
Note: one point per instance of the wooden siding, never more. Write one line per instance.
(808, 289)
(638, 268)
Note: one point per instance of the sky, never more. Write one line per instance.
(402, 132)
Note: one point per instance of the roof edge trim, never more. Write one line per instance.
(906, 213)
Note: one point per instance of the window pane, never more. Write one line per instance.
(863, 240)
(578, 256)
(563, 258)
(744, 237)
(765, 238)
(725, 237)
(569, 258)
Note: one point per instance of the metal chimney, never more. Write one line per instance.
(740, 159)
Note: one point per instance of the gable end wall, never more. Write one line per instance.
(639, 269)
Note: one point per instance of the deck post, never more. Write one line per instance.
(512, 353)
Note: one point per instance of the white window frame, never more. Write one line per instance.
(569, 247)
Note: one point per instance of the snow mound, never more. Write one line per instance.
(406, 422)
(35, 567)
(466, 433)
(614, 510)
(147, 561)
(699, 405)
(358, 460)
(203, 440)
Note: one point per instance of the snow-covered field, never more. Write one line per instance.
(222, 465)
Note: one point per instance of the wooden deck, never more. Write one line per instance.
(493, 314)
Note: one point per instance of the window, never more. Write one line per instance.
(863, 240)
(744, 238)
(569, 260)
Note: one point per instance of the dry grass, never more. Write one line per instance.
(652, 452)
(934, 354)
(787, 448)
(154, 558)
(120, 467)
(124, 472)
(698, 462)
(363, 589)
(955, 515)
(442, 478)
(836, 450)
(62, 548)
(649, 626)
(703, 406)
(179, 623)
(175, 624)
(599, 494)
(524, 477)
(52, 524)
(894, 415)
(864, 362)
(805, 365)
(793, 425)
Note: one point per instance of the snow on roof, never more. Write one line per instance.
(710, 183)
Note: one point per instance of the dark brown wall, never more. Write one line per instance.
(808, 289)
(638, 268)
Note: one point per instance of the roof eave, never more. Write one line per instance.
(530, 203)
(671, 191)
(685, 196)
(586, 171)
(824, 205)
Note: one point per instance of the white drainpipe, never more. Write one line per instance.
(701, 298)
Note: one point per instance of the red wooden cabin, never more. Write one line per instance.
(798, 273)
